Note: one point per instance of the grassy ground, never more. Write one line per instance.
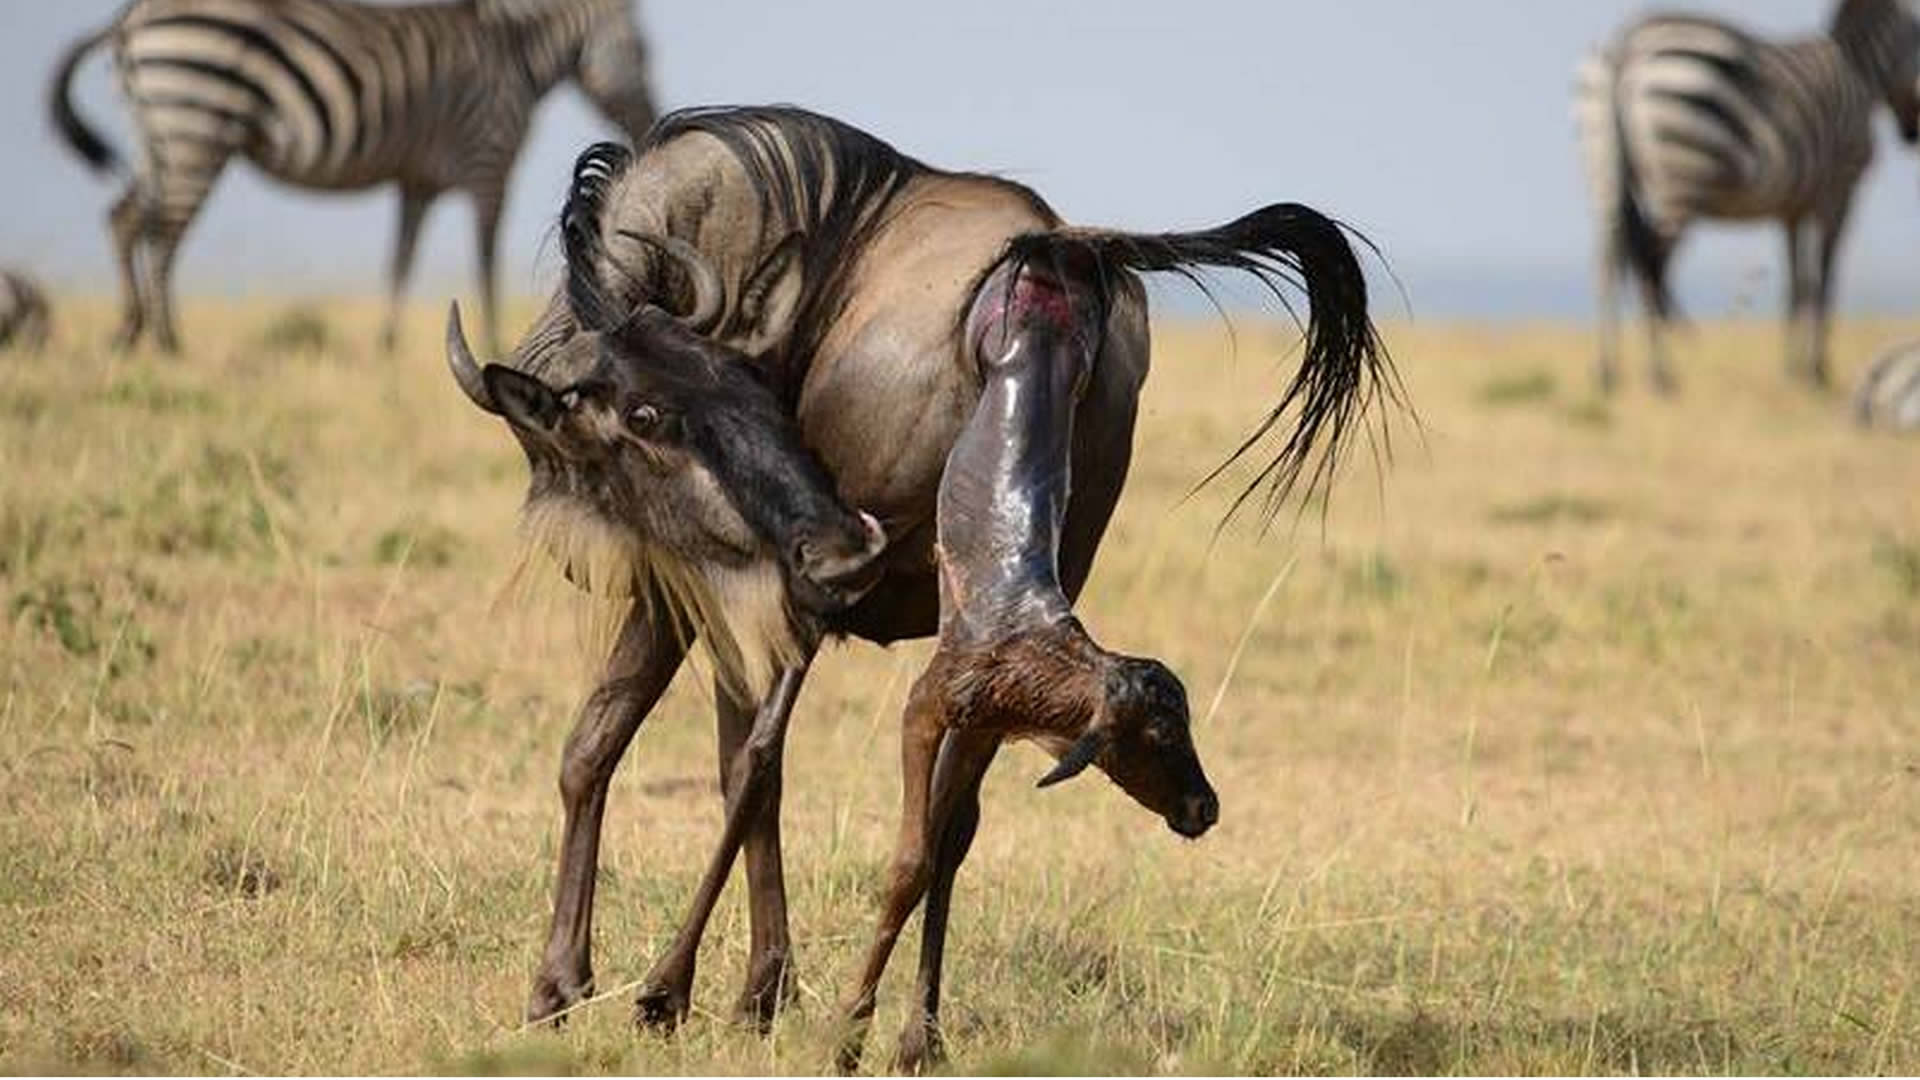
(1583, 740)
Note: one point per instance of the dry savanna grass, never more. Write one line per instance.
(1582, 739)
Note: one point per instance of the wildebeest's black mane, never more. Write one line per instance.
(822, 177)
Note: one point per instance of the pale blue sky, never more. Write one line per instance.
(1442, 129)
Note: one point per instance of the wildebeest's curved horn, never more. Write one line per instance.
(460, 361)
(709, 294)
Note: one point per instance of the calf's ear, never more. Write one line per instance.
(525, 401)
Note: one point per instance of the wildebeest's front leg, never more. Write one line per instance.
(769, 983)
(642, 665)
(666, 995)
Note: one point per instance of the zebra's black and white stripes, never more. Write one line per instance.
(1686, 118)
(1889, 393)
(334, 95)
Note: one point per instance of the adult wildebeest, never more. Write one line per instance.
(24, 318)
(967, 369)
(1889, 394)
(1686, 117)
(339, 96)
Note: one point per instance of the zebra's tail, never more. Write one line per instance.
(84, 139)
(1640, 245)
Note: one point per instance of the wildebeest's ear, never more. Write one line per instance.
(1078, 756)
(524, 400)
(772, 296)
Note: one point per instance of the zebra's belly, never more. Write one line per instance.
(346, 176)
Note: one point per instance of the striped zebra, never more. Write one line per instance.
(1889, 394)
(24, 317)
(335, 95)
(1686, 118)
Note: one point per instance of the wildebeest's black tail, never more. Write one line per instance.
(1345, 369)
(84, 139)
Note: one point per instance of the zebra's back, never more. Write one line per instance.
(1718, 123)
(321, 93)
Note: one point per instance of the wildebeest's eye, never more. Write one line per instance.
(570, 400)
(643, 419)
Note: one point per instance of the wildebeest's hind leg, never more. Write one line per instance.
(666, 994)
(644, 660)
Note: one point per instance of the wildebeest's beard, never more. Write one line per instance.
(666, 470)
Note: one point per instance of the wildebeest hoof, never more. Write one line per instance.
(920, 1049)
(770, 988)
(662, 1008)
(552, 998)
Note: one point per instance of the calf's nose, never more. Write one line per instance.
(1197, 814)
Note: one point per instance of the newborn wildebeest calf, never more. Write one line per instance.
(967, 370)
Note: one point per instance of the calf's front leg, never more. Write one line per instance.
(1004, 616)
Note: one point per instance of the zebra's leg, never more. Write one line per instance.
(1797, 296)
(1832, 229)
(414, 202)
(769, 984)
(124, 221)
(1653, 293)
(487, 202)
(1607, 278)
(189, 173)
(643, 663)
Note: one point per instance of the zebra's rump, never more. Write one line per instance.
(1722, 124)
(1889, 394)
(311, 90)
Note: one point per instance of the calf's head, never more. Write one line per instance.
(671, 443)
(1142, 738)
